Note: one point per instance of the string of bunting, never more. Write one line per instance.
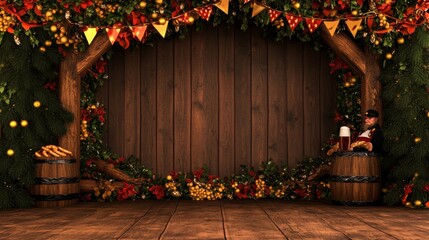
(353, 23)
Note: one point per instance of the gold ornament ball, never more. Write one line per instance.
(54, 28)
(10, 152)
(416, 174)
(42, 49)
(13, 124)
(24, 123)
(296, 5)
(417, 140)
(142, 4)
(48, 43)
(37, 104)
(408, 204)
(158, 1)
(354, 12)
(169, 178)
(417, 203)
(162, 21)
(49, 13)
(400, 40)
(389, 56)
(191, 19)
(154, 15)
(64, 39)
(427, 114)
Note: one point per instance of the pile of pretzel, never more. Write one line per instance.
(52, 151)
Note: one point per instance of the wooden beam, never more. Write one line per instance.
(100, 45)
(347, 49)
(366, 64)
(69, 91)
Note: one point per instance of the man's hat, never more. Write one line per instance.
(371, 113)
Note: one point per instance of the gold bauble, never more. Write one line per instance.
(416, 174)
(427, 114)
(154, 15)
(346, 84)
(13, 124)
(169, 178)
(355, 12)
(158, 1)
(54, 28)
(400, 40)
(64, 39)
(142, 4)
(162, 21)
(49, 13)
(296, 5)
(389, 56)
(417, 203)
(48, 43)
(10, 152)
(176, 194)
(417, 140)
(37, 104)
(24, 123)
(408, 204)
(42, 49)
(191, 19)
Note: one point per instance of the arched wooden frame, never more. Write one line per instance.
(363, 62)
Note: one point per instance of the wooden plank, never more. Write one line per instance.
(239, 224)
(116, 113)
(148, 105)
(196, 220)
(182, 105)
(226, 102)
(152, 223)
(164, 102)
(259, 99)
(277, 100)
(205, 100)
(100, 45)
(242, 90)
(371, 85)
(295, 114)
(311, 96)
(328, 93)
(132, 103)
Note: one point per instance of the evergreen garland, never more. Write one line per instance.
(30, 115)
(406, 112)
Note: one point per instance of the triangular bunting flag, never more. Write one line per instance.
(138, 32)
(313, 23)
(204, 12)
(353, 25)
(223, 5)
(113, 33)
(293, 21)
(257, 9)
(184, 18)
(331, 26)
(161, 28)
(274, 14)
(90, 34)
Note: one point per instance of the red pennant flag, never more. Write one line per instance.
(293, 21)
(204, 12)
(139, 31)
(313, 24)
(112, 33)
(274, 14)
(184, 18)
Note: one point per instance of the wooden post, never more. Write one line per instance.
(364, 63)
(69, 91)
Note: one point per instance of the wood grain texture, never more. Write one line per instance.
(100, 45)
(223, 219)
(259, 95)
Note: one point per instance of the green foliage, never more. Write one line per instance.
(406, 110)
(23, 73)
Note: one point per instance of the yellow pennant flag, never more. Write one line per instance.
(331, 26)
(257, 9)
(223, 5)
(353, 25)
(113, 33)
(90, 34)
(161, 28)
(139, 31)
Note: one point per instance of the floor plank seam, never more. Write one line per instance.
(268, 215)
(135, 222)
(223, 220)
(169, 220)
(361, 220)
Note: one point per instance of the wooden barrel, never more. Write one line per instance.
(355, 178)
(57, 182)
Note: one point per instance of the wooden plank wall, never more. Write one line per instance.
(220, 98)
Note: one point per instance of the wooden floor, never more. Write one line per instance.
(222, 219)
